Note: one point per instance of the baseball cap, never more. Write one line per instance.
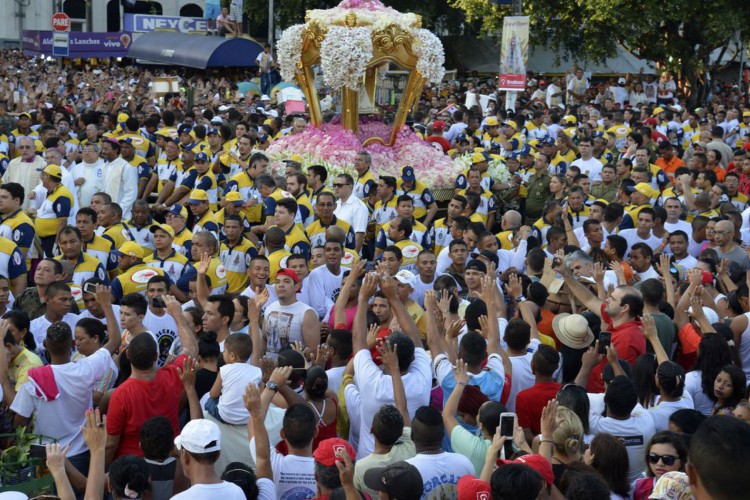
(201, 156)
(476, 265)
(262, 137)
(406, 277)
(27, 115)
(438, 126)
(217, 120)
(570, 120)
(164, 227)
(325, 453)
(130, 249)
(745, 113)
(548, 141)
(651, 121)
(399, 480)
(295, 158)
(407, 173)
(178, 209)
(184, 129)
(264, 97)
(621, 80)
(53, 170)
(511, 123)
(657, 110)
(536, 462)
(478, 158)
(197, 196)
(487, 254)
(289, 273)
(213, 131)
(199, 436)
(471, 488)
(234, 197)
(643, 188)
(126, 140)
(491, 122)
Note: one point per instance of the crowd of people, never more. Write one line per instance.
(181, 323)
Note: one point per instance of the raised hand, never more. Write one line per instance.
(280, 376)
(648, 326)
(103, 295)
(453, 330)
(204, 263)
(548, 423)
(389, 355)
(251, 398)
(460, 373)
(187, 372)
(591, 357)
(94, 430)
(514, 286)
(261, 297)
(369, 286)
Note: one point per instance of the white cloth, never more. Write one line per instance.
(63, 417)
(661, 412)
(224, 490)
(693, 386)
(293, 476)
(522, 378)
(121, 183)
(631, 236)
(354, 211)
(377, 388)
(86, 314)
(323, 286)
(680, 225)
(591, 167)
(283, 325)
(26, 174)
(440, 473)
(164, 330)
(235, 377)
(635, 433)
(39, 327)
(93, 175)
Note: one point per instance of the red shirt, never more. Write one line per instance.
(136, 401)
(630, 343)
(530, 403)
(442, 141)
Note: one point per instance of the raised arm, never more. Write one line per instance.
(405, 321)
(680, 311)
(435, 341)
(339, 308)
(664, 266)
(589, 360)
(114, 339)
(187, 376)
(257, 402)
(649, 329)
(579, 290)
(254, 307)
(187, 337)
(696, 303)
(201, 288)
(390, 361)
(359, 328)
(450, 410)
(95, 434)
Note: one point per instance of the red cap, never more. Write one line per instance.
(288, 273)
(471, 488)
(438, 126)
(325, 453)
(536, 462)
(746, 146)
(651, 121)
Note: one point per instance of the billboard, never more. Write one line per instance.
(40, 43)
(142, 23)
(513, 53)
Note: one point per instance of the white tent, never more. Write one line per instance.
(543, 60)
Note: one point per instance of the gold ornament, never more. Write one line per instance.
(391, 38)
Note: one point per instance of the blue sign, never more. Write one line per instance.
(142, 23)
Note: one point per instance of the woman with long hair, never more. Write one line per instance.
(574, 396)
(557, 187)
(567, 441)
(729, 389)
(670, 379)
(90, 335)
(666, 452)
(713, 355)
(644, 373)
(607, 454)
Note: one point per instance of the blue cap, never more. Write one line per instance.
(213, 131)
(262, 137)
(184, 129)
(189, 147)
(178, 209)
(526, 151)
(513, 156)
(461, 137)
(127, 140)
(548, 140)
(495, 145)
(201, 156)
(407, 174)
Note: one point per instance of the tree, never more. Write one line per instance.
(679, 36)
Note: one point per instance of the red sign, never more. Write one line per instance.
(60, 21)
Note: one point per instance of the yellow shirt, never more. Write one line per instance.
(18, 370)
(236, 260)
(55, 208)
(277, 261)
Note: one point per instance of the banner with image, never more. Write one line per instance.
(513, 53)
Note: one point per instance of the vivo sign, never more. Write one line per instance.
(143, 22)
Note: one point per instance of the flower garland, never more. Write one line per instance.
(499, 171)
(289, 51)
(344, 54)
(431, 56)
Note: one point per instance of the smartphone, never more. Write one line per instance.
(507, 419)
(89, 287)
(38, 451)
(605, 339)
(158, 302)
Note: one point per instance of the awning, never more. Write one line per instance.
(194, 51)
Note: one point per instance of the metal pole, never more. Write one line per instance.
(270, 23)
(742, 61)
(89, 16)
(510, 96)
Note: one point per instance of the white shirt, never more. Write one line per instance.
(283, 325)
(420, 287)
(272, 297)
(121, 183)
(591, 167)
(635, 432)
(323, 287)
(293, 476)
(224, 490)
(680, 225)
(354, 211)
(688, 262)
(92, 174)
(377, 390)
(164, 330)
(522, 378)
(39, 327)
(661, 412)
(235, 377)
(631, 235)
(702, 403)
(115, 308)
(440, 473)
(63, 417)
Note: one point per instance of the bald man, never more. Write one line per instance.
(727, 248)
(510, 220)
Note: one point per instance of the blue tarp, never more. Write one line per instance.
(194, 51)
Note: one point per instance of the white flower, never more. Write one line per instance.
(499, 172)
(344, 55)
(431, 56)
(289, 51)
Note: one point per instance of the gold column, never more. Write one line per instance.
(350, 109)
(414, 85)
(307, 84)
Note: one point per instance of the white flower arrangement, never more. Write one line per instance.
(499, 171)
(344, 55)
(289, 51)
(431, 56)
(377, 18)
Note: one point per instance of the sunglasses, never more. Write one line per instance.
(668, 460)
(336, 185)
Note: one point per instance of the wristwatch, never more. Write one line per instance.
(520, 298)
(273, 386)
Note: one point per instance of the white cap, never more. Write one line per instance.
(676, 107)
(709, 313)
(406, 277)
(217, 119)
(264, 97)
(621, 80)
(223, 108)
(199, 436)
(272, 112)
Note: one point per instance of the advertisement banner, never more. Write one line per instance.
(142, 23)
(40, 43)
(513, 53)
